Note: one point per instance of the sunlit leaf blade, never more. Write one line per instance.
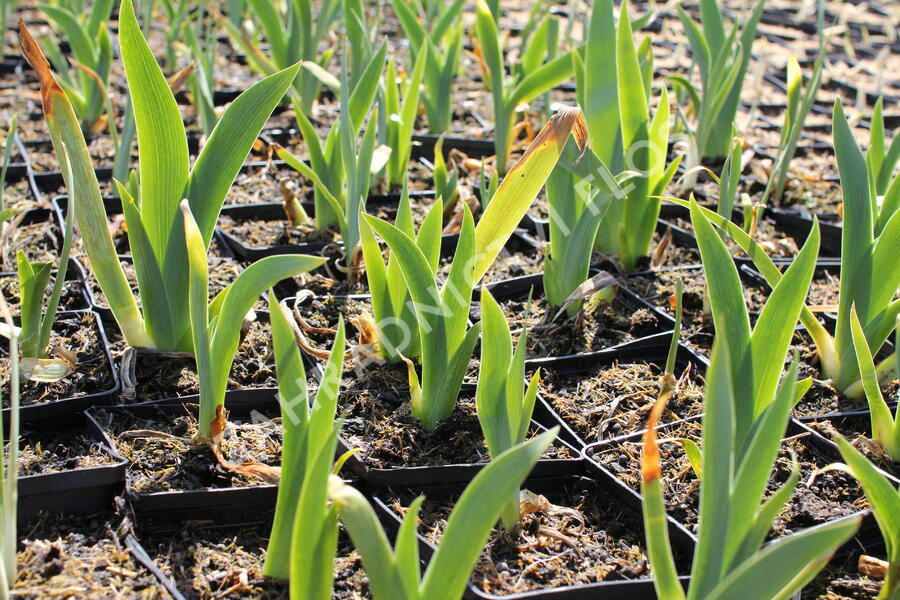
(66, 135)
(521, 185)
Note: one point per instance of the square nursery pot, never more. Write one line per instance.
(73, 297)
(821, 451)
(270, 212)
(683, 240)
(70, 490)
(112, 205)
(100, 365)
(604, 495)
(218, 505)
(150, 375)
(652, 350)
(612, 323)
(416, 475)
(798, 223)
(821, 287)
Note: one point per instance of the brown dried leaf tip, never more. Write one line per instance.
(567, 120)
(35, 58)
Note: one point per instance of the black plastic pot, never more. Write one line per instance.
(652, 350)
(824, 449)
(274, 211)
(852, 420)
(218, 505)
(75, 276)
(540, 229)
(78, 491)
(553, 489)
(414, 476)
(798, 224)
(66, 407)
(519, 288)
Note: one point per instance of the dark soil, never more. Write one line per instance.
(223, 270)
(697, 328)
(822, 397)
(66, 557)
(381, 425)
(41, 453)
(260, 233)
(858, 430)
(832, 495)
(211, 564)
(596, 327)
(160, 376)
(40, 242)
(840, 580)
(578, 537)
(163, 455)
(72, 297)
(613, 400)
(93, 374)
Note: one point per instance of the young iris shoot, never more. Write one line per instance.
(736, 510)
(800, 101)
(504, 404)
(881, 159)
(531, 80)
(86, 80)
(870, 273)
(340, 171)
(304, 533)
(885, 426)
(439, 317)
(394, 572)
(401, 117)
(722, 59)
(885, 502)
(445, 340)
(154, 222)
(37, 323)
(746, 412)
(294, 31)
(608, 198)
(216, 325)
(442, 44)
(200, 40)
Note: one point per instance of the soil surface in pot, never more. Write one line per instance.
(78, 334)
(577, 537)
(223, 270)
(597, 326)
(858, 430)
(823, 397)
(831, 496)
(39, 241)
(72, 297)
(159, 376)
(41, 453)
(65, 557)
(776, 243)
(841, 580)
(165, 457)
(267, 233)
(697, 328)
(382, 426)
(208, 564)
(613, 400)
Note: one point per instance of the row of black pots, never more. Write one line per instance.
(168, 510)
